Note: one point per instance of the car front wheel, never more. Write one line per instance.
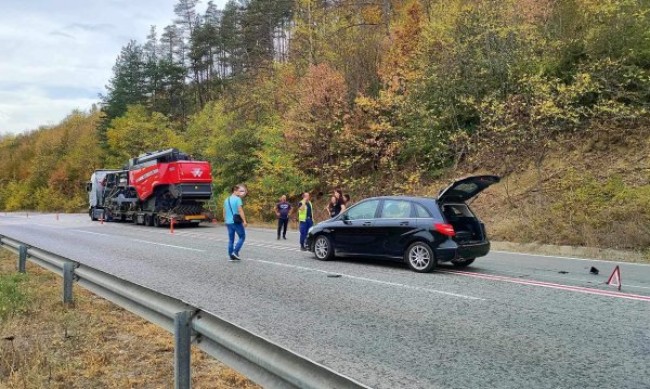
(419, 256)
(323, 248)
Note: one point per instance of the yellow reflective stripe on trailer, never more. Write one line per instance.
(195, 217)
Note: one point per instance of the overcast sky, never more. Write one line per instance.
(58, 55)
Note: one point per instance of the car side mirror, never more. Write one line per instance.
(345, 218)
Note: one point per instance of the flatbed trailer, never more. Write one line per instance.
(154, 189)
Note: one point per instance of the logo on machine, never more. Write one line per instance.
(146, 175)
(197, 172)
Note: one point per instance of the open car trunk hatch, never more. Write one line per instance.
(466, 188)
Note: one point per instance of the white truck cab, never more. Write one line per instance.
(95, 188)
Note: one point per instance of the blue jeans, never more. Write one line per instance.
(304, 228)
(241, 233)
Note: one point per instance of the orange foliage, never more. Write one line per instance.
(398, 65)
(315, 119)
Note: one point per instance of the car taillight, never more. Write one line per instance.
(445, 229)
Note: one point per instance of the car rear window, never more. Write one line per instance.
(421, 212)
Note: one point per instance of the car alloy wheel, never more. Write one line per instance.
(420, 258)
(323, 248)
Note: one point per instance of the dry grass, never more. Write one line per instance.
(589, 197)
(91, 345)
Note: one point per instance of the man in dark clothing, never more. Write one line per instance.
(282, 210)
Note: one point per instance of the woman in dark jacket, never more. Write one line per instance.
(336, 204)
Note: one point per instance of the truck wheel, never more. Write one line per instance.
(156, 221)
(147, 220)
(92, 214)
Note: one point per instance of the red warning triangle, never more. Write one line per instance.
(615, 278)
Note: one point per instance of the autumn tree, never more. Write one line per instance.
(316, 120)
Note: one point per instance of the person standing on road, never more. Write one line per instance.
(282, 210)
(235, 219)
(336, 204)
(305, 217)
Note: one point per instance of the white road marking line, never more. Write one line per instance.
(144, 241)
(167, 245)
(560, 257)
(92, 233)
(368, 279)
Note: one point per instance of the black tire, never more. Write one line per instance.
(420, 258)
(156, 221)
(92, 214)
(323, 249)
(464, 262)
(148, 220)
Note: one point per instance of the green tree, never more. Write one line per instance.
(137, 132)
(128, 84)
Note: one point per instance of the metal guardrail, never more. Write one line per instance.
(259, 359)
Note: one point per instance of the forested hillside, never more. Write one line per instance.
(381, 97)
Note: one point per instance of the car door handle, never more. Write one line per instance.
(404, 223)
(365, 224)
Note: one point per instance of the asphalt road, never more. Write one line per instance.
(509, 321)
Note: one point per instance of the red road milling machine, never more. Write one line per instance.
(154, 189)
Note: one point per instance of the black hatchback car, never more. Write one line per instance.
(420, 231)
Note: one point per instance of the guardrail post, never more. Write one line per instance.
(68, 278)
(22, 258)
(182, 344)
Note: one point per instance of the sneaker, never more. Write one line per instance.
(235, 257)
(284, 237)
(232, 258)
(278, 238)
(303, 248)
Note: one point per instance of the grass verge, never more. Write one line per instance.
(95, 344)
